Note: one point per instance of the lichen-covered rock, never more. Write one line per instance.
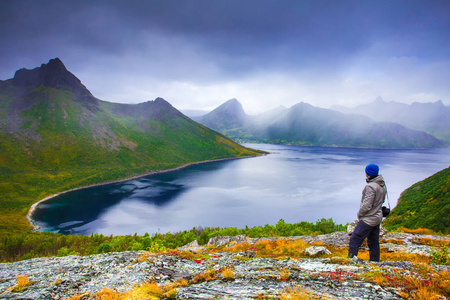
(316, 250)
(351, 227)
(339, 239)
(192, 247)
(224, 240)
(63, 277)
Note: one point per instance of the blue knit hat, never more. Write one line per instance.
(372, 170)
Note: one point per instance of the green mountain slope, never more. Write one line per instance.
(54, 136)
(304, 124)
(425, 204)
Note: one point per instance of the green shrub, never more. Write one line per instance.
(104, 248)
(440, 257)
(64, 251)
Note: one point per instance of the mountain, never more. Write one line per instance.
(228, 115)
(304, 124)
(424, 205)
(55, 135)
(433, 118)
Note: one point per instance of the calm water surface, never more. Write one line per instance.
(293, 183)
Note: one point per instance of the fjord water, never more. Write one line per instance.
(293, 183)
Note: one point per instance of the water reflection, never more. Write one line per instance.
(79, 211)
(294, 183)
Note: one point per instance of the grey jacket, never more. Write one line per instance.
(372, 199)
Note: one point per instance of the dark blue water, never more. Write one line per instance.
(293, 183)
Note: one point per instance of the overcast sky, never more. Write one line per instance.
(198, 54)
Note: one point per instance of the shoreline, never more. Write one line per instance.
(34, 205)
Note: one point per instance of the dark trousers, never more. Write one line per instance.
(362, 231)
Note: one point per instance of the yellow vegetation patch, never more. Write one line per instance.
(416, 231)
(425, 293)
(209, 275)
(228, 273)
(299, 293)
(429, 284)
(145, 290)
(107, 294)
(392, 241)
(431, 242)
(285, 274)
(395, 256)
(22, 284)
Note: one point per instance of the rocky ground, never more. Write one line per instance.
(62, 277)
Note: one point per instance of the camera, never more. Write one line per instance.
(385, 211)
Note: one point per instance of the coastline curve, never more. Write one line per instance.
(34, 205)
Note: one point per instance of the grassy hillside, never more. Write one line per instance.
(56, 136)
(426, 204)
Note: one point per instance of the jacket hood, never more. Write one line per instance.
(378, 179)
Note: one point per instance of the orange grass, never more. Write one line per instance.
(285, 274)
(299, 293)
(416, 231)
(107, 294)
(281, 248)
(441, 282)
(22, 284)
(395, 256)
(22, 280)
(209, 275)
(392, 241)
(425, 284)
(145, 256)
(145, 290)
(431, 242)
(239, 247)
(425, 293)
(293, 248)
(228, 273)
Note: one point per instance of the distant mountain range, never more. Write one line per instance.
(433, 118)
(304, 124)
(55, 135)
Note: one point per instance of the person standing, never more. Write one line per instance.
(369, 215)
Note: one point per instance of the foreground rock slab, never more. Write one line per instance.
(61, 277)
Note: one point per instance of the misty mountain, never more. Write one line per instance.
(433, 118)
(194, 112)
(54, 134)
(304, 124)
(231, 114)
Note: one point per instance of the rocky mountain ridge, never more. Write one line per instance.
(304, 124)
(252, 275)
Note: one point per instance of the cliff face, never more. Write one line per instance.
(238, 271)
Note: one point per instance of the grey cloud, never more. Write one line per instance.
(207, 45)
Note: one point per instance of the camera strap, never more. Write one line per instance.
(387, 195)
